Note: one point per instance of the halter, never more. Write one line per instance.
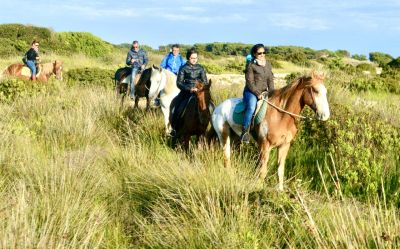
(313, 106)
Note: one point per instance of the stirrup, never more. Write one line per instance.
(245, 137)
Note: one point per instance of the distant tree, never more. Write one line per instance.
(359, 57)
(342, 53)
(381, 58)
(395, 63)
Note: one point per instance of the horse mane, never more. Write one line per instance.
(285, 92)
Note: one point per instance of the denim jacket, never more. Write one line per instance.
(140, 56)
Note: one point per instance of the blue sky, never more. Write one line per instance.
(357, 26)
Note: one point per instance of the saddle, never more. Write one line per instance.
(261, 110)
(125, 74)
(25, 71)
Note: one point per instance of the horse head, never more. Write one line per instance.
(157, 81)
(57, 69)
(203, 94)
(315, 95)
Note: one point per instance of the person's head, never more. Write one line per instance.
(135, 45)
(175, 49)
(35, 44)
(258, 51)
(191, 56)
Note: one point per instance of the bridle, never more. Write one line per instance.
(313, 106)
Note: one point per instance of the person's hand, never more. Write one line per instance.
(142, 67)
(133, 60)
(260, 96)
(194, 90)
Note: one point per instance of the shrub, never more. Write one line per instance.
(12, 88)
(381, 58)
(91, 76)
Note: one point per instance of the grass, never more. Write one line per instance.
(76, 171)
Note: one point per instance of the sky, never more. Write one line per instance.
(359, 27)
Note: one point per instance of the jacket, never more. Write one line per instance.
(31, 55)
(259, 78)
(188, 74)
(140, 56)
(172, 63)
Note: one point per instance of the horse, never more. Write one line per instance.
(163, 82)
(196, 116)
(142, 85)
(45, 71)
(279, 126)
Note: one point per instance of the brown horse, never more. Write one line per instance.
(142, 85)
(45, 71)
(196, 116)
(278, 127)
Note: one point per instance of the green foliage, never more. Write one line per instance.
(342, 53)
(12, 88)
(213, 68)
(364, 148)
(381, 58)
(359, 57)
(82, 42)
(395, 63)
(91, 76)
(366, 67)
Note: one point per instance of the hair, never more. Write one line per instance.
(175, 46)
(34, 41)
(135, 41)
(255, 48)
(190, 52)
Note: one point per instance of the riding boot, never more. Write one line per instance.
(245, 136)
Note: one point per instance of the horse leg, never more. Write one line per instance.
(136, 101)
(186, 141)
(147, 103)
(265, 149)
(282, 153)
(225, 141)
(165, 111)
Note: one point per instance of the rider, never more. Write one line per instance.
(32, 58)
(187, 76)
(137, 58)
(173, 61)
(259, 79)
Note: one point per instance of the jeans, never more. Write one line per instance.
(132, 83)
(250, 101)
(32, 67)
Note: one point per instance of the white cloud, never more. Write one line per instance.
(292, 21)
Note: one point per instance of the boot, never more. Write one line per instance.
(33, 77)
(245, 137)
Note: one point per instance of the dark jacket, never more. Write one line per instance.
(188, 74)
(140, 56)
(259, 78)
(31, 55)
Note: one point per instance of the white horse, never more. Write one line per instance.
(163, 82)
(278, 127)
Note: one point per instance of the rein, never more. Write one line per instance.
(290, 113)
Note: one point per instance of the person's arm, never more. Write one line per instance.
(203, 76)
(250, 80)
(128, 59)
(164, 62)
(180, 81)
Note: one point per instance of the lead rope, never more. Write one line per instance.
(290, 113)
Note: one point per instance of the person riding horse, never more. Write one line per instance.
(186, 80)
(31, 58)
(137, 58)
(259, 79)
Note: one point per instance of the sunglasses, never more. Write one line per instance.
(260, 53)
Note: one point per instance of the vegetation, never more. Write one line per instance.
(76, 170)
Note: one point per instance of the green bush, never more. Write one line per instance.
(213, 68)
(366, 67)
(364, 148)
(12, 88)
(381, 58)
(91, 76)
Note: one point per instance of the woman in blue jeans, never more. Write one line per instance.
(32, 58)
(259, 79)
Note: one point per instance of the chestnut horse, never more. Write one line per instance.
(45, 71)
(278, 127)
(196, 116)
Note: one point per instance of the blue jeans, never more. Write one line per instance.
(250, 101)
(132, 83)
(32, 67)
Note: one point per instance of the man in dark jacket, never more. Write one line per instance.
(137, 58)
(186, 80)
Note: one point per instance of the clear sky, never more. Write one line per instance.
(359, 26)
